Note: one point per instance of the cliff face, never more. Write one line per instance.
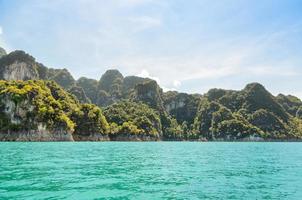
(43, 111)
(93, 137)
(183, 107)
(135, 119)
(18, 66)
(36, 136)
(18, 122)
(136, 108)
(2, 52)
(150, 93)
(19, 71)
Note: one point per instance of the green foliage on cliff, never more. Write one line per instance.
(181, 106)
(62, 77)
(134, 118)
(135, 105)
(89, 119)
(291, 104)
(35, 104)
(2, 52)
(18, 58)
(251, 112)
(90, 87)
(79, 93)
(130, 83)
(150, 93)
(31, 103)
(111, 82)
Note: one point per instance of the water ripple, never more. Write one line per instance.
(159, 170)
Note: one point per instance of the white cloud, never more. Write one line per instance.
(176, 83)
(145, 74)
(1, 30)
(173, 56)
(165, 89)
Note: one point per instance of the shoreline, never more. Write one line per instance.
(154, 141)
(37, 136)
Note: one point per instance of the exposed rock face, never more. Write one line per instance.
(110, 87)
(291, 104)
(150, 93)
(175, 104)
(19, 71)
(62, 77)
(39, 110)
(90, 87)
(80, 94)
(15, 112)
(130, 83)
(2, 52)
(91, 137)
(111, 81)
(36, 135)
(18, 66)
(182, 106)
(36, 131)
(134, 138)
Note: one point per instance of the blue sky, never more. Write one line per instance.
(188, 45)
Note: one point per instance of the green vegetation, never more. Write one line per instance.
(181, 106)
(291, 104)
(30, 103)
(26, 105)
(252, 111)
(90, 87)
(51, 99)
(90, 119)
(79, 93)
(10, 61)
(62, 77)
(2, 52)
(128, 117)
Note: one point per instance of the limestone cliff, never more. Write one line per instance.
(183, 107)
(18, 66)
(2, 52)
(20, 123)
(43, 111)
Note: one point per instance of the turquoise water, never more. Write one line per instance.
(160, 170)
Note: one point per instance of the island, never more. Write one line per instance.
(38, 103)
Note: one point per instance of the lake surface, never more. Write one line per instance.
(150, 170)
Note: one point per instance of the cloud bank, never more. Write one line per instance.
(189, 46)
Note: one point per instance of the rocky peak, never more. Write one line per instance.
(131, 81)
(292, 104)
(18, 65)
(150, 93)
(256, 97)
(215, 94)
(181, 106)
(255, 87)
(62, 77)
(111, 81)
(2, 52)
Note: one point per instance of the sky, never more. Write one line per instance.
(185, 45)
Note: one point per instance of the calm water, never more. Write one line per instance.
(162, 170)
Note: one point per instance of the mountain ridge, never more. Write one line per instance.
(252, 113)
